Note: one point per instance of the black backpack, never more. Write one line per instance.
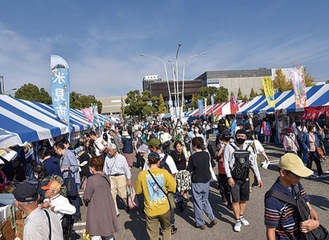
(164, 164)
(242, 164)
(300, 134)
(320, 233)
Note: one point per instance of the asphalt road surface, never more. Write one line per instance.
(132, 224)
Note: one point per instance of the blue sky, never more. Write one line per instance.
(102, 40)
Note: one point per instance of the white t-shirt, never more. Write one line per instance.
(99, 143)
(258, 146)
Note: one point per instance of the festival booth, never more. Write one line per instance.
(285, 101)
(27, 123)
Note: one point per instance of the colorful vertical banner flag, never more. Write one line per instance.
(298, 82)
(94, 108)
(60, 87)
(88, 114)
(212, 104)
(234, 104)
(268, 90)
(200, 106)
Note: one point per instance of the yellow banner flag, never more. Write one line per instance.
(268, 90)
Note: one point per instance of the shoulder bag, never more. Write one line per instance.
(71, 187)
(170, 195)
(320, 233)
(212, 173)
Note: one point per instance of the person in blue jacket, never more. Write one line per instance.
(50, 163)
(311, 140)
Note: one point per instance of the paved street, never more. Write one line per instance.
(132, 225)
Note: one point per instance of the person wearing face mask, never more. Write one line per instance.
(239, 157)
(311, 140)
(289, 142)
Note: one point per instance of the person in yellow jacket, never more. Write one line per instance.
(156, 205)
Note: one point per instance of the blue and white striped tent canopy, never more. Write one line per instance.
(78, 122)
(316, 96)
(29, 124)
(8, 138)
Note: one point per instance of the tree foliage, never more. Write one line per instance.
(78, 101)
(239, 96)
(252, 94)
(31, 92)
(309, 80)
(141, 105)
(162, 106)
(220, 95)
(280, 83)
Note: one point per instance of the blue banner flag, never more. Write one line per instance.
(200, 106)
(60, 87)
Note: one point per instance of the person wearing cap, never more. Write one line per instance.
(166, 162)
(37, 222)
(156, 205)
(127, 148)
(56, 202)
(239, 187)
(116, 167)
(281, 218)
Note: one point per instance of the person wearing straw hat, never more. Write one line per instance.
(281, 218)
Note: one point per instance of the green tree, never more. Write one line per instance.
(222, 95)
(194, 103)
(244, 98)
(252, 94)
(31, 92)
(239, 97)
(138, 104)
(79, 101)
(280, 83)
(309, 80)
(162, 106)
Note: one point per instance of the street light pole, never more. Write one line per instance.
(177, 91)
(5, 92)
(174, 93)
(166, 72)
(184, 65)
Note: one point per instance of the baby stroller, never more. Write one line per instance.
(179, 200)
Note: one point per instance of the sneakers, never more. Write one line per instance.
(239, 223)
(244, 221)
(265, 164)
(237, 226)
(202, 227)
(212, 223)
(173, 229)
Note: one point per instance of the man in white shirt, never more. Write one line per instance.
(57, 203)
(116, 167)
(99, 143)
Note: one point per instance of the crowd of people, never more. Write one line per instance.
(173, 157)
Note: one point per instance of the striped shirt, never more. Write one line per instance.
(37, 226)
(283, 216)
